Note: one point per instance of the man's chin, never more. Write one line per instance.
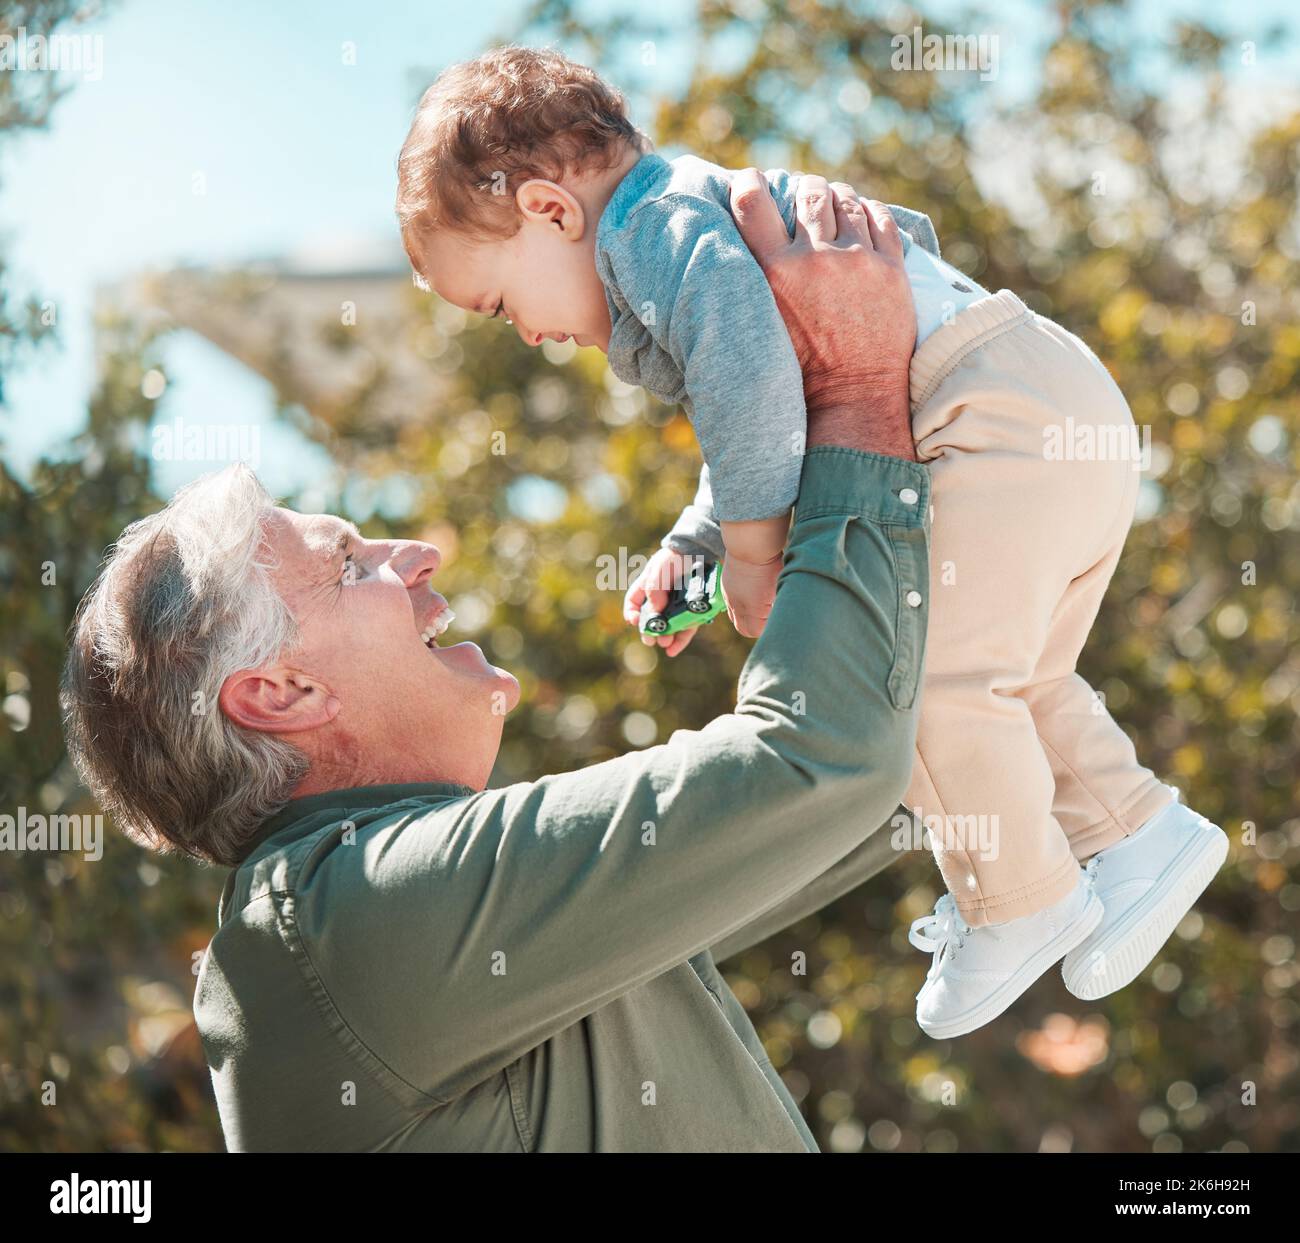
(468, 657)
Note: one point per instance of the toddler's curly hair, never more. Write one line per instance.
(489, 124)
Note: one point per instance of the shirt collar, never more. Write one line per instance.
(630, 191)
(299, 809)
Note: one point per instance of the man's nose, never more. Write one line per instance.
(529, 338)
(416, 562)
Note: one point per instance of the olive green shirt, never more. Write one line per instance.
(430, 968)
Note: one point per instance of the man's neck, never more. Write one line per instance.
(341, 766)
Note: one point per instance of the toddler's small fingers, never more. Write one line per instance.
(681, 640)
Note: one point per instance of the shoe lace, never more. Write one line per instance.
(1090, 872)
(940, 930)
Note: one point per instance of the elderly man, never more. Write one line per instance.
(406, 960)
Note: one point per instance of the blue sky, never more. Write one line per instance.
(297, 151)
(296, 147)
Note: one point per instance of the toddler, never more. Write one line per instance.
(525, 192)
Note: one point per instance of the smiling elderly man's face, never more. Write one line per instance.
(320, 648)
(369, 676)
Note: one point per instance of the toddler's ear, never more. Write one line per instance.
(547, 203)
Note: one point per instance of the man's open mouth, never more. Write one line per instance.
(430, 635)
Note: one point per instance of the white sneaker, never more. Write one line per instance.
(1146, 883)
(978, 972)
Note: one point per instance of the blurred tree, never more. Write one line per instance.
(95, 1044)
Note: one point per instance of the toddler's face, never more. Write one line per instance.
(542, 279)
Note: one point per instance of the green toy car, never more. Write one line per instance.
(696, 602)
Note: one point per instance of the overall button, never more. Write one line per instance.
(913, 598)
(909, 496)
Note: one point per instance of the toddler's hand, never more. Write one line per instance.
(668, 568)
(750, 590)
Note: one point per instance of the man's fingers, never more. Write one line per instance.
(814, 210)
(851, 223)
(756, 216)
(885, 235)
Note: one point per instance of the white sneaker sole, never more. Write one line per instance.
(1010, 990)
(1118, 956)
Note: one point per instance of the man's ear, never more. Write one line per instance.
(277, 700)
(553, 206)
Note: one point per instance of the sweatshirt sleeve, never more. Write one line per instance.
(681, 261)
(509, 915)
(916, 227)
(696, 531)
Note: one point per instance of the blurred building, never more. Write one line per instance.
(327, 340)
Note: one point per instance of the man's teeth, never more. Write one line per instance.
(437, 627)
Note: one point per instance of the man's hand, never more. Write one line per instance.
(845, 298)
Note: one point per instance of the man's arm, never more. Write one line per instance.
(467, 935)
(839, 215)
(509, 915)
(863, 862)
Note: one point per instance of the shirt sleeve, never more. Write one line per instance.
(682, 263)
(856, 868)
(509, 915)
(696, 531)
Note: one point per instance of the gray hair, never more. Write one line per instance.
(184, 600)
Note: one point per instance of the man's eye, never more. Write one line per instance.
(350, 570)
